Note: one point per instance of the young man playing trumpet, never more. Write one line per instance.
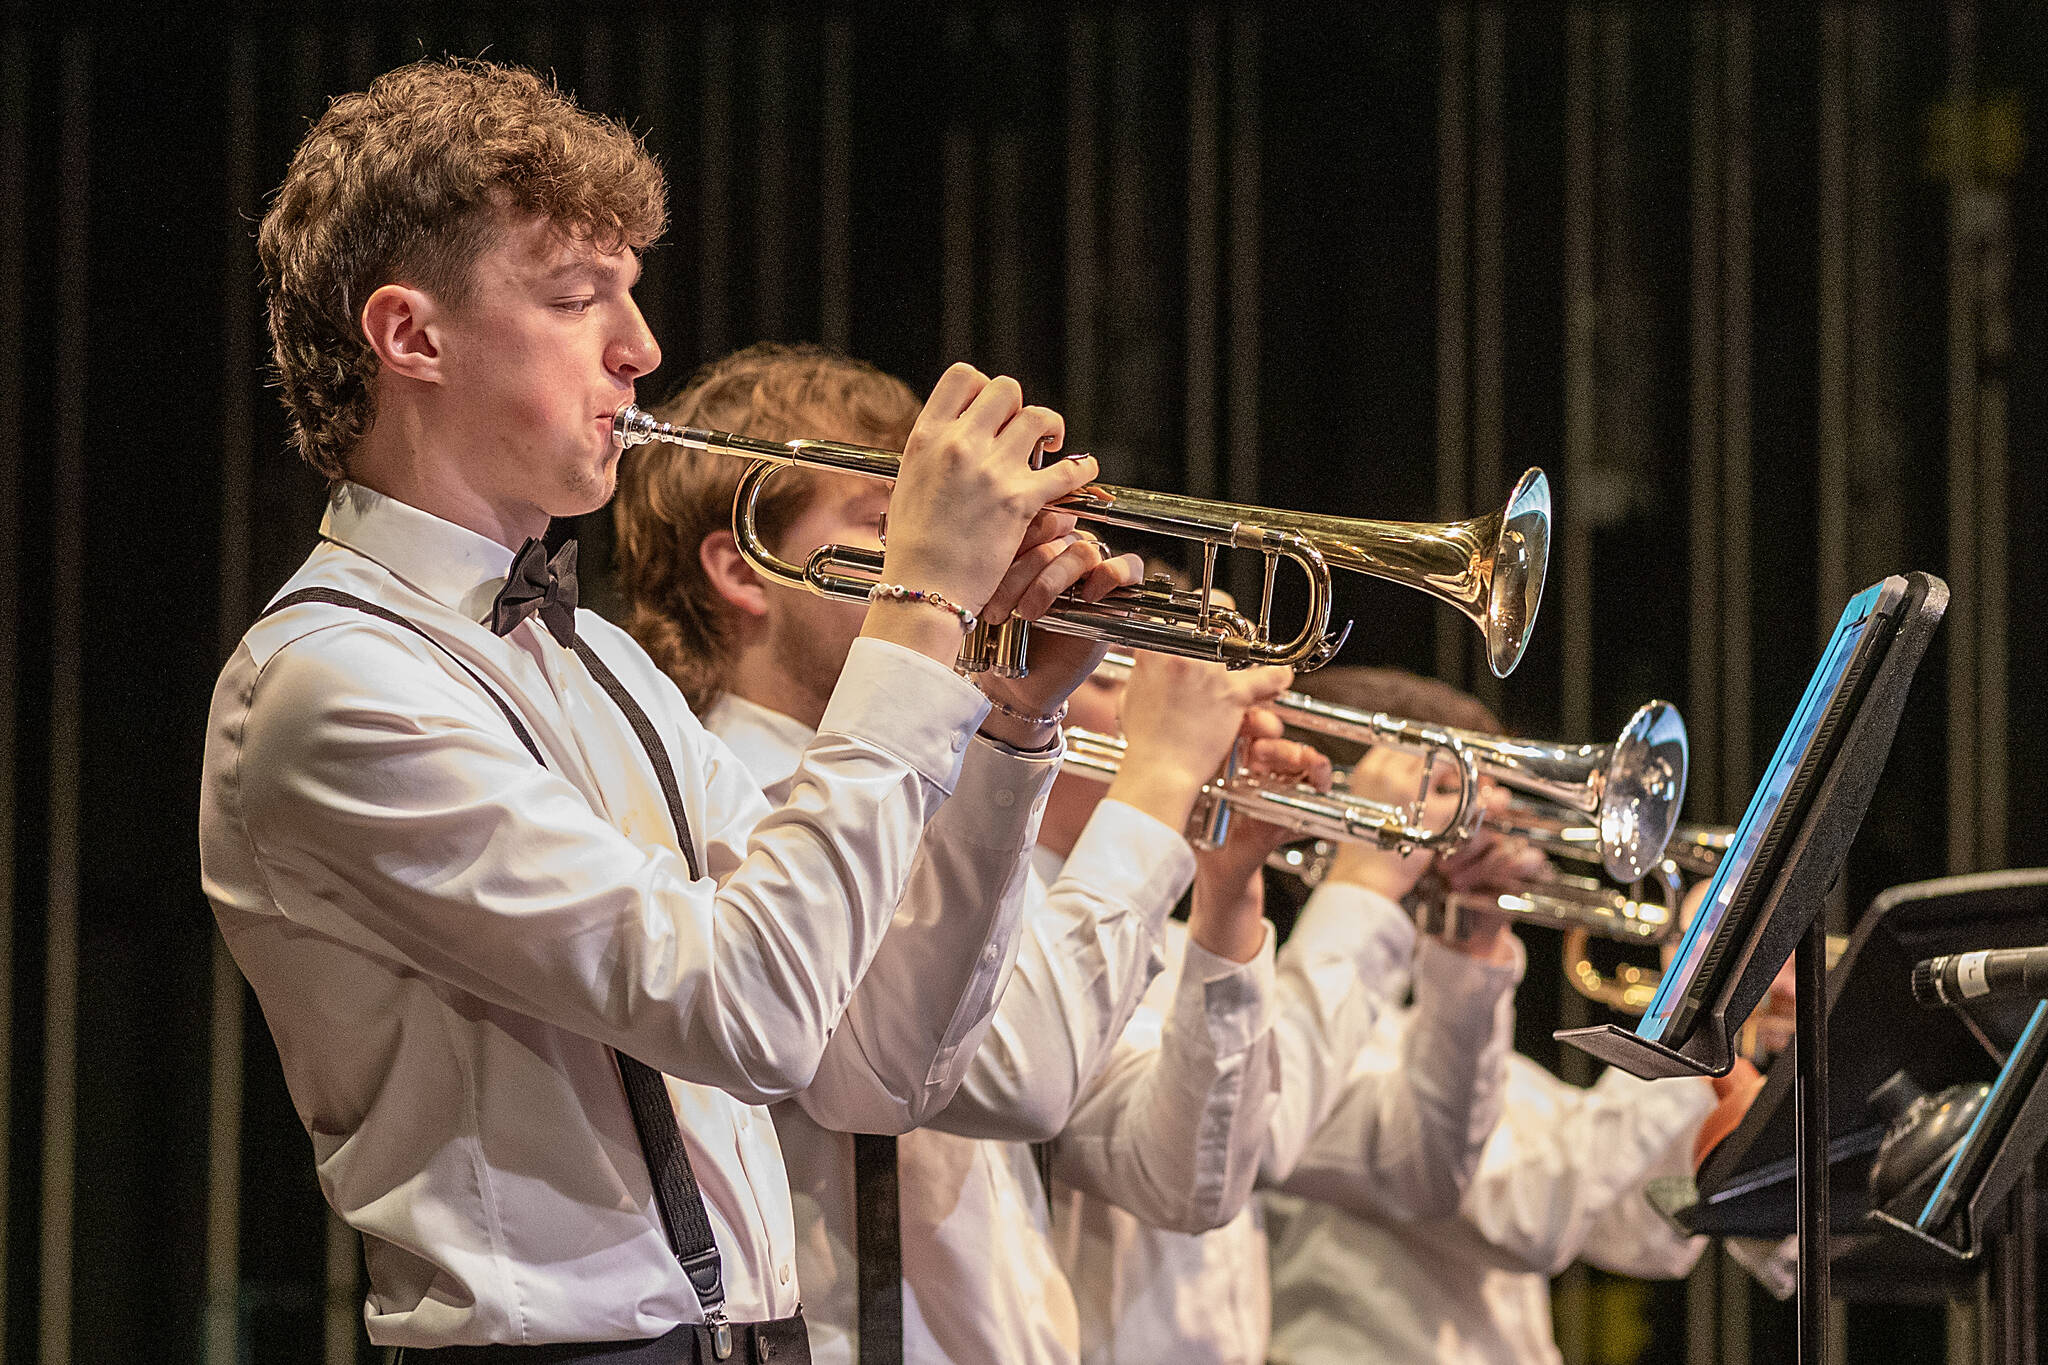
(1398, 1140)
(490, 879)
(1560, 1178)
(1172, 1125)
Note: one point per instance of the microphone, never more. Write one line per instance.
(1957, 978)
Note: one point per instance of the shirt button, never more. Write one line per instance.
(990, 954)
(782, 1275)
(1006, 799)
(959, 743)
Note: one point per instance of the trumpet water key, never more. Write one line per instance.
(1491, 568)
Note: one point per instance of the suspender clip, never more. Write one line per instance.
(721, 1334)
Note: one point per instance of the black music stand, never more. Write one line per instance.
(2005, 1145)
(1746, 1187)
(1789, 921)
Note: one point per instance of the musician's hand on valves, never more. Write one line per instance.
(1487, 866)
(967, 504)
(1179, 719)
(1392, 777)
(1056, 558)
(1227, 913)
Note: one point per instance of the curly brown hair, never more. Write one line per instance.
(409, 181)
(670, 499)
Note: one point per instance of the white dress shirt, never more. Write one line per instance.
(1170, 1112)
(1401, 1136)
(1561, 1178)
(447, 937)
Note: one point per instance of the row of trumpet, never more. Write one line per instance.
(1610, 809)
(1612, 804)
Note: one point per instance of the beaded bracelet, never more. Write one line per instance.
(896, 592)
(1052, 718)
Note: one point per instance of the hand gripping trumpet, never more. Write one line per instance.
(1618, 801)
(1336, 816)
(1491, 568)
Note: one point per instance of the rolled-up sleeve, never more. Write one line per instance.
(1402, 1143)
(1573, 1187)
(917, 1021)
(1349, 954)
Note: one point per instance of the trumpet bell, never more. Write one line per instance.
(1642, 792)
(1521, 557)
(1491, 568)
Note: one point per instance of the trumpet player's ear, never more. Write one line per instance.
(399, 323)
(730, 576)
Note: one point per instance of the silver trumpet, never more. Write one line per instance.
(1643, 910)
(1491, 567)
(1619, 800)
(1331, 817)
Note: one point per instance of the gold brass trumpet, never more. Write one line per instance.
(1491, 567)
(1630, 790)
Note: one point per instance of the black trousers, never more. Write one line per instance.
(782, 1342)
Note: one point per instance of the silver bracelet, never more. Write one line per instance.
(1053, 718)
(896, 592)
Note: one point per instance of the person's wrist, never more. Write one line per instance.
(1384, 873)
(1491, 943)
(1165, 791)
(914, 625)
(1227, 917)
(1025, 735)
(956, 581)
(1241, 858)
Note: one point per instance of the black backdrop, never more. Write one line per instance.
(1761, 288)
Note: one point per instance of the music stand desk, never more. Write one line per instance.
(1746, 1184)
(1789, 920)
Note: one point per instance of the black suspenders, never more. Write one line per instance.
(676, 1196)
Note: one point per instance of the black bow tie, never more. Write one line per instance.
(540, 584)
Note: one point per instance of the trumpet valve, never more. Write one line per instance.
(974, 650)
(1000, 650)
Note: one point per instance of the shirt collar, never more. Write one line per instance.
(451, 564)
(769, 743)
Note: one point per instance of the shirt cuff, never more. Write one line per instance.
(1237, 998)
(1009, 788)
(1126, 855)
(1464, 994)
(906, 704)
(1344, 920)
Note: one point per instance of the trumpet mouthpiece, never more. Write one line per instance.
(632, 427)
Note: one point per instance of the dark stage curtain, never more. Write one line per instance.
(1762, 287)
